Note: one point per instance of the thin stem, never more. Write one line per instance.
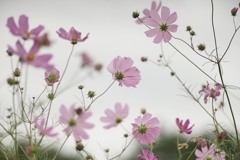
(123, 149)
(214, 118)
(61, 146)
(99, 95)
(64, 70)
(192, 151)
(192, 62)
(221, 77)
(179, 151)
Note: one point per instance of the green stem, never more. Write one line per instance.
(99, 95)
(192, 62)
(221, 77)
(61, 146)
(192, 152)
(179, 152)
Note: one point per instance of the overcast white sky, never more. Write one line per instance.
(113, 32)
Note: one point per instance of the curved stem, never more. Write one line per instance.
(61, 147)
(192, 151)
(179, 152)
(99, 96)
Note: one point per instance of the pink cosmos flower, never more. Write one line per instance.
(184, 127)
(32, 57)
(123, 72)
(210, 153)
(162, 25)
(147, 155)
(76, 122)
(52, 76)
(200, 141)
(73, 35)
(145, 129)
(41, 128)
(113, 118)
(210, 92)
(146, 11)
(23, 29)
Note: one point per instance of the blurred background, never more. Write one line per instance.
(114, 32)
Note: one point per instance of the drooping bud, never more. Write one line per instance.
(79, 110)
(143, 110)
(79, 146)
(81, 87)
(192, 33)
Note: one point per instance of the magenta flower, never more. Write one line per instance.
(210, 92)
(52, 76)
(147, 155)
(76, 122)
(184, 127)
(145, 129)
(42, 129)
(113, 118)
(234, 11)
(32, 57)
(146, 11)
(73, 35)
(162, 25)
(123, 72)
(210, 153)
(23, 29)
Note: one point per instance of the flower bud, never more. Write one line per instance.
(17, 72)
(192, 33)
(9, 52)
(106, 150)
(11, 81)
(125, 135)
(91, 94)
(98, 67)
(201, 47)
(172, 73)
(51, 96)
(188, 28)
(143, 110)
(89, 157)
(80, 87)
(144, 59)
(79, 146)
(79, 110)
(234, 11)
(135, 14)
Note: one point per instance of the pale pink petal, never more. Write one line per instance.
(165, 14)
(152, 32)
(12, 26)
(166, 36)
(23, 23)
(173, 27)
(154, 15)
(158, 38)
(172, 18)
(36, 30)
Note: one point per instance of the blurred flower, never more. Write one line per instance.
(145, 129)
(123, 72)
(22, 30)
(42, 129)
(31, 57)
(52, 76)
(147, 155)
(86, 60)
(200, 141)
(184, 128)
(9, 51)
(210, 92)
(210, 153)
(234, 11)
(76, 123)
(43, 40)
(113, 118)
(73, 35)
(146, 11)
(98, 67)
(162, 25)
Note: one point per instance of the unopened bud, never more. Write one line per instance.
(234, 11)
(91, 94)
(144, 59)
(135, 14)
(17, 72)
(188, 28)
(201, 47)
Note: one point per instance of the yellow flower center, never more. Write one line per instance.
(30, 57)
(27, 33)
(74, 38)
